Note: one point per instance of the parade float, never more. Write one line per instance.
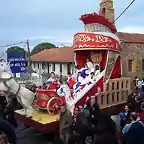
(101, 46)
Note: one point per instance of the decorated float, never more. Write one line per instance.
(100, 45)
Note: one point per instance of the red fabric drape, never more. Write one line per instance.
(103, 63)
(81, 57)
(116, 73)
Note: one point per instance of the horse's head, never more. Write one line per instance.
(5, 71)
(4, 66)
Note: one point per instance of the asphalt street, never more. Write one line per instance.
(31, 136)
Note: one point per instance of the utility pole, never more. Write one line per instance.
(29, 55)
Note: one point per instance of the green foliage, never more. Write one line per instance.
(42, 46)
(15, 49)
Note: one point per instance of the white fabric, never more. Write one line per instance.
(80, 79)
(75, 74)
(90, 65)
(97, 72)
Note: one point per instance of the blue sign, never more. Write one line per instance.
(17, 61)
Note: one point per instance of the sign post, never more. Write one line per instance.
(17, 61)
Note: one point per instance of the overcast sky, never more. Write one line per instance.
(57, 21)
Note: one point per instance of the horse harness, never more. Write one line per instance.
(3, 80)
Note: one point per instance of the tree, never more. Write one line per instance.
(15, 49)
(42, 46)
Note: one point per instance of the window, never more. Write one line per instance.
(142, 64)
(38, 65)
(43, 65)
(130, 62)
(34, 64)
(53, 68)
(103, 12)
(48, 67)
(68, 68)
(61, 68)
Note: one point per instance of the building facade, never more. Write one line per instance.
(58, 60)
(48, 67)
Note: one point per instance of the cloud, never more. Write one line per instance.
(41, 37)
(133, 29)
(64, 41)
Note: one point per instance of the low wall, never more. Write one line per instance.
(115, 92)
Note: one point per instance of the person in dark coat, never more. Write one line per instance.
(81, 128)
(93, 108)
(133, 132)
(104, 130)
(65, 125)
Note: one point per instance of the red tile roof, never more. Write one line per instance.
(54, 55)
(66, 54)
(131, 37)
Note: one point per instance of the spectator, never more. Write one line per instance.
(143, 85)
(66, 121)
(124, 117)
(133, 132)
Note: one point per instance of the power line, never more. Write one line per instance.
(124, 11)
(8, 45)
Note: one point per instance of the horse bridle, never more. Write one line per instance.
(4, 82)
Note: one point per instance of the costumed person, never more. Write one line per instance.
(53, 86)
(92, 78)
(77, 86)
(84, 71)
(79, 80)
(51, 79)
(75, 72)
(71, 82)
(97, 70)
(65, 125)
(64, 90)
(89, 64)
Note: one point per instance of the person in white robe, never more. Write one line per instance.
(75, 72)
(89, 64)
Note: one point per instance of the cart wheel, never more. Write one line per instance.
(7, 133)
(53, 105)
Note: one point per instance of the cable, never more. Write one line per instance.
(124, 11)
(8, 45)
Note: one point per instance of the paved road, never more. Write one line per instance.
(31, 136)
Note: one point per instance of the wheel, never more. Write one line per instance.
(7, 132)
(53, 105)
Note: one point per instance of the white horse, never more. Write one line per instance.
(11, 88)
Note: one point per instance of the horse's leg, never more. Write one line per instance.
(24, 108)
(30, 109)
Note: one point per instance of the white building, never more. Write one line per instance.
(59, 60)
